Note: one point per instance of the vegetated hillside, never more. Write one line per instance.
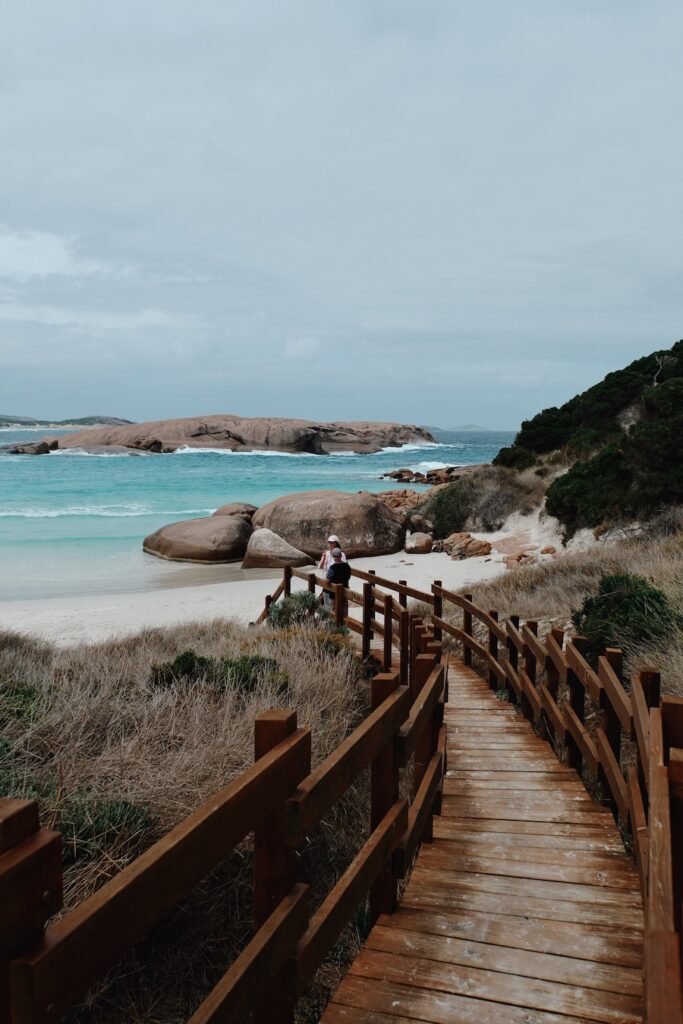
(623, 438)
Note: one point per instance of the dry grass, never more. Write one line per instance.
(84, 724)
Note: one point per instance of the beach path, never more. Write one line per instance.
(525, 908)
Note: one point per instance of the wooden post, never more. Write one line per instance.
(493, 650)
(552, 674)
(529, 656)
(274, 866)
(373, 613)
(425, 746)
(403, 598)
(438, 607)
(338, 604)
(368, 599)
(513, 659)
(577, 701)
(269, 601)
(287, 580)
(383, 794)
(30, 885)
(467, 628)
(612, 727)
(311, 583)
(388, 624)
(650, 680)
(672, 723)
(404, 646)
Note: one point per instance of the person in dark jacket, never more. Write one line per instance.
(338, 572)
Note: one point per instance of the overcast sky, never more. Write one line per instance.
(422, 211)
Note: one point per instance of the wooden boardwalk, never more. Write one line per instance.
(525, 909)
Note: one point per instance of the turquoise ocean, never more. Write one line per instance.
(73, 524)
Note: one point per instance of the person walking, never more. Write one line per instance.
(338, 572)
(326, 557)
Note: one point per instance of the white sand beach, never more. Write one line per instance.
(96, 618)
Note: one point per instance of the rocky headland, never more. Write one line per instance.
(236, 433)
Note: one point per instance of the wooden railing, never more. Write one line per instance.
(278, 801)
(623, 737)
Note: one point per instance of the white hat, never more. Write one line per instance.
(333, 539)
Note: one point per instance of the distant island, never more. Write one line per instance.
(464, 428)
(235, 433)
(80, 421)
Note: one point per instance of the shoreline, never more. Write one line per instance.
(96, 618)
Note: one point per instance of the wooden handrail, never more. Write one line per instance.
(330, 780)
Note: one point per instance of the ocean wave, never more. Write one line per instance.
(425, 467)
(95, 455)
(413, 447)
(100, 511)
(188, 450)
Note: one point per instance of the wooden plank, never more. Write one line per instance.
(586, 942)
(596, 895)
(30, 887)
(331, 779)
(660, 903)
(607, 1007)
(638, 826)
(641, 723)
(385, 1002)
(83, 944)
(480, 831)
(556, 656)
(467, 809)
(581, 738)
(504, 764)
(239, 990)
(530, 693)
(615, 779)
(609, 876)
(534, 644)
(580, 667)
(487, 846)
(506, 959)
(556, 775)
(553, 712)
(447, 897)
(337, 909)
(615, 693)
(590, 826)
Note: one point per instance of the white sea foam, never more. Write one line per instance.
(413, 447)
(188, 450)
(95, 455)
(100, 511)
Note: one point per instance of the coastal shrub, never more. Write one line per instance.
(449, 508)
(241, 674)
(484, 500)
(297, 609)
(627, 611)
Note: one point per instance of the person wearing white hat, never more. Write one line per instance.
(326, 559)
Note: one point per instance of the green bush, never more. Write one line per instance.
(90, 825)
(242, 674)
(296, 609)
(449, 508)
(628, 611)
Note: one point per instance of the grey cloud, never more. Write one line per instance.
(435, 189)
